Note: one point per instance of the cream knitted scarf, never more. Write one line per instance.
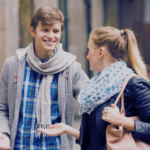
(60, 61)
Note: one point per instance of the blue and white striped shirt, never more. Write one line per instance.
(26, 137)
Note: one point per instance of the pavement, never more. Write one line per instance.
(77, 122)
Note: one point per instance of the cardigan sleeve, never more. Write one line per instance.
(4, 112)
(141, 96)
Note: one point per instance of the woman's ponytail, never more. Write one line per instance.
(135, 59)
(122, 45)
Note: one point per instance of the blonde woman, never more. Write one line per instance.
(114, 54)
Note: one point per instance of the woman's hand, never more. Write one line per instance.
(112, 115)
(60, 128)
(55, 130)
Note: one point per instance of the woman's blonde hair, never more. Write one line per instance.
(122, 45)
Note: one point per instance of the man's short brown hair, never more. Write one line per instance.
(48, 16)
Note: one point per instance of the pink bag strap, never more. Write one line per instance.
(121, 94)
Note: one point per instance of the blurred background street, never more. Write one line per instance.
(81, 16)
(77, 126)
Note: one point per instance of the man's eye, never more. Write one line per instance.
(55, 31)
(46, 30)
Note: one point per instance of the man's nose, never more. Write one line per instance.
(50, 34)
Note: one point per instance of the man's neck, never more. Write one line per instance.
(41, 55)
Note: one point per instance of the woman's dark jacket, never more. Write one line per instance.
(136, 103)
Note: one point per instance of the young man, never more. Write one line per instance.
(37, 86)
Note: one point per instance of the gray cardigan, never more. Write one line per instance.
(11, 94)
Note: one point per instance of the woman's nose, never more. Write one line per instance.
(87, 56)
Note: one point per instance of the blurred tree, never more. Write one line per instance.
(89, 28)
(25, 14)
(63, 4)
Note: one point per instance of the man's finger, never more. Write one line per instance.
(5, 148)
(8, 147)
(52, 126)
(46, 131)
(42, 130)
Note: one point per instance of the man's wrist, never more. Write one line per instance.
(67, 127)
(5, 133)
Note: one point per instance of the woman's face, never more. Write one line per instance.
(93, 56)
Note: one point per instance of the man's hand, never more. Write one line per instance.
(55, 130)
(60, 128)
(4, 142)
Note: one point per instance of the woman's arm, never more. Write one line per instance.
(112, 115)
(141, 105)
(61, 128)
(141, 97)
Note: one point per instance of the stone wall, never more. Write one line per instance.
(78, 31)
(97, 13)
(9, 29)
(9, 25)
(2, 33)
(38, 3)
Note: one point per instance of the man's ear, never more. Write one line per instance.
(101, 52)
(32, 32)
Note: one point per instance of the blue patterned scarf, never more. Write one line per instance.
(103, 86)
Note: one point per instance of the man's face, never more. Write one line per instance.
(46, 37)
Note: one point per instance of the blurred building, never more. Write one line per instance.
(81, 16)
(134, 15)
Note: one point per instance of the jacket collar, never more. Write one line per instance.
(20, 53)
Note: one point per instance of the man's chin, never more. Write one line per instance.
(49, 48)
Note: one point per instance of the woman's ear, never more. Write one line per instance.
(101, 52)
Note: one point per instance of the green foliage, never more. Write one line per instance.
(25, 14)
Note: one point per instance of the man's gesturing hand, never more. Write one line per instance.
(4, 142)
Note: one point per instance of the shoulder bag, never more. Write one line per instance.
(119, 138)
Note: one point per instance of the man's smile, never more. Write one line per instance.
(50, 43)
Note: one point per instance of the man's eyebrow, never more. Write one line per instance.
(44, 27)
